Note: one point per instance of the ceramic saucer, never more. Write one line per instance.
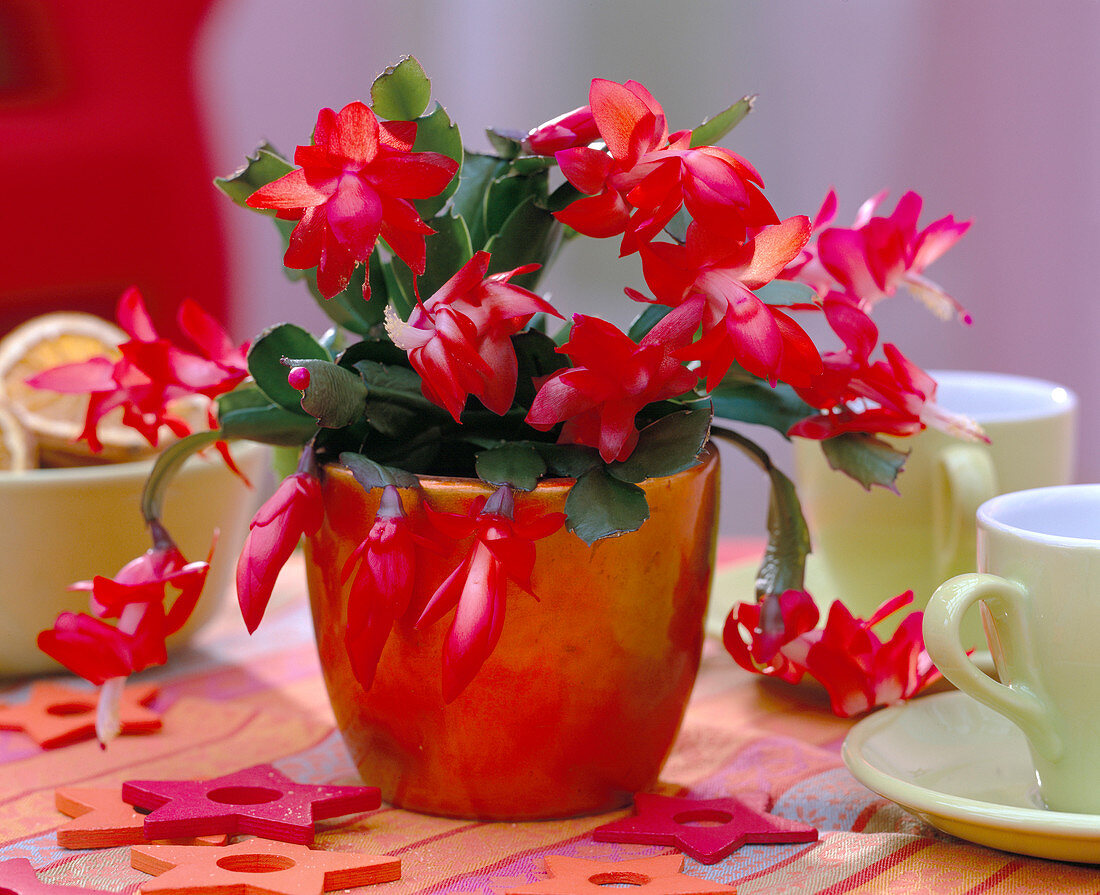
(966, 770)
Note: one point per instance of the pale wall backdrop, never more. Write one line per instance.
(990, 109)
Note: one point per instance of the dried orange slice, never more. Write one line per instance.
(17, 448)
(53, 418)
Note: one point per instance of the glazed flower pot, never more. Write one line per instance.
(577, 707)
(75, 523)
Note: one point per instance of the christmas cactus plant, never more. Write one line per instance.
(444, 359)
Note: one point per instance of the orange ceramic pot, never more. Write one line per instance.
(577, 707)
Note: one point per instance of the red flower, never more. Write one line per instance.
(891, 397)
(878, 254)
(797, 614)
(384, 567)
(354, 185)
(614, 378)
(503, 550)
(136, 596)
(856, 668)
(737, 325)
(152, 372)
(95, 650)
(647, 175)
(576, 128)
(460, 339)
(293, 510)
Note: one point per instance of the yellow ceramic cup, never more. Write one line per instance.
(66, 525)
(1039, 556)
(870, 546)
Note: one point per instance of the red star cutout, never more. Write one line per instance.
(655, 876)
(103, 820)
(708, 830)
(258, 800)
(258, 867)
(17, 876)
(56, 715)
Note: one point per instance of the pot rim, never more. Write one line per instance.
(549, 485)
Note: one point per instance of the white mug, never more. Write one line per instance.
(1039, 585)
(870, 546)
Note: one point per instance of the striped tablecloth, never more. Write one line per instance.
(229, 701)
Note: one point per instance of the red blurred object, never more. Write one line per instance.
(105, 177)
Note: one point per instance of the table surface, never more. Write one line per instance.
(230, 701)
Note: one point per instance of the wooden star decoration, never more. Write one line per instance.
(259, 800)
(654, 876)
(257, 867)
(18, 877)
(57, 715)
(706, 829)
(102, 820)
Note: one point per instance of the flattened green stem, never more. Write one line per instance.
(411, 400)
(164, 471)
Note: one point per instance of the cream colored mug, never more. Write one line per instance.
(1039, 556)
(870, 546)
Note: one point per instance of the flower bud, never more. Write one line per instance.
(298, 378)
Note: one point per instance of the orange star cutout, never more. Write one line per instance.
(655, 876)
(258, 867)
(57, 715)
(18, 877)
(103, 820)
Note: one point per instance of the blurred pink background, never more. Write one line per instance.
(992, 112)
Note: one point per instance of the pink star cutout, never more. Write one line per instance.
(259, 800)
(654, 876)
(57, 715)
(257, 867)
(706, 829)
(18, 877)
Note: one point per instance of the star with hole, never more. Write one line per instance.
(57, 715)
(259, 800)
(705, 829)
(18, 877)
(257, 867)
(102, 820)
(655, 876)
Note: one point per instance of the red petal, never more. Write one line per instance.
(355, 136)
(354, 215)
(306, 240)
(843, 254)
(854, 326)
(499, 387)
(585, 168)
(94, 375)
(623, 118)
(398, 135)
(596, 216)
(477, 624)
(290, 191)
(207, 334)
(417, 175)
(87, 646)
(334, 268)
(133, 317)
(800, 363)
(774, 248)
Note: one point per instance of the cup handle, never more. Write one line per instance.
(965, 479)
(1020, 700)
